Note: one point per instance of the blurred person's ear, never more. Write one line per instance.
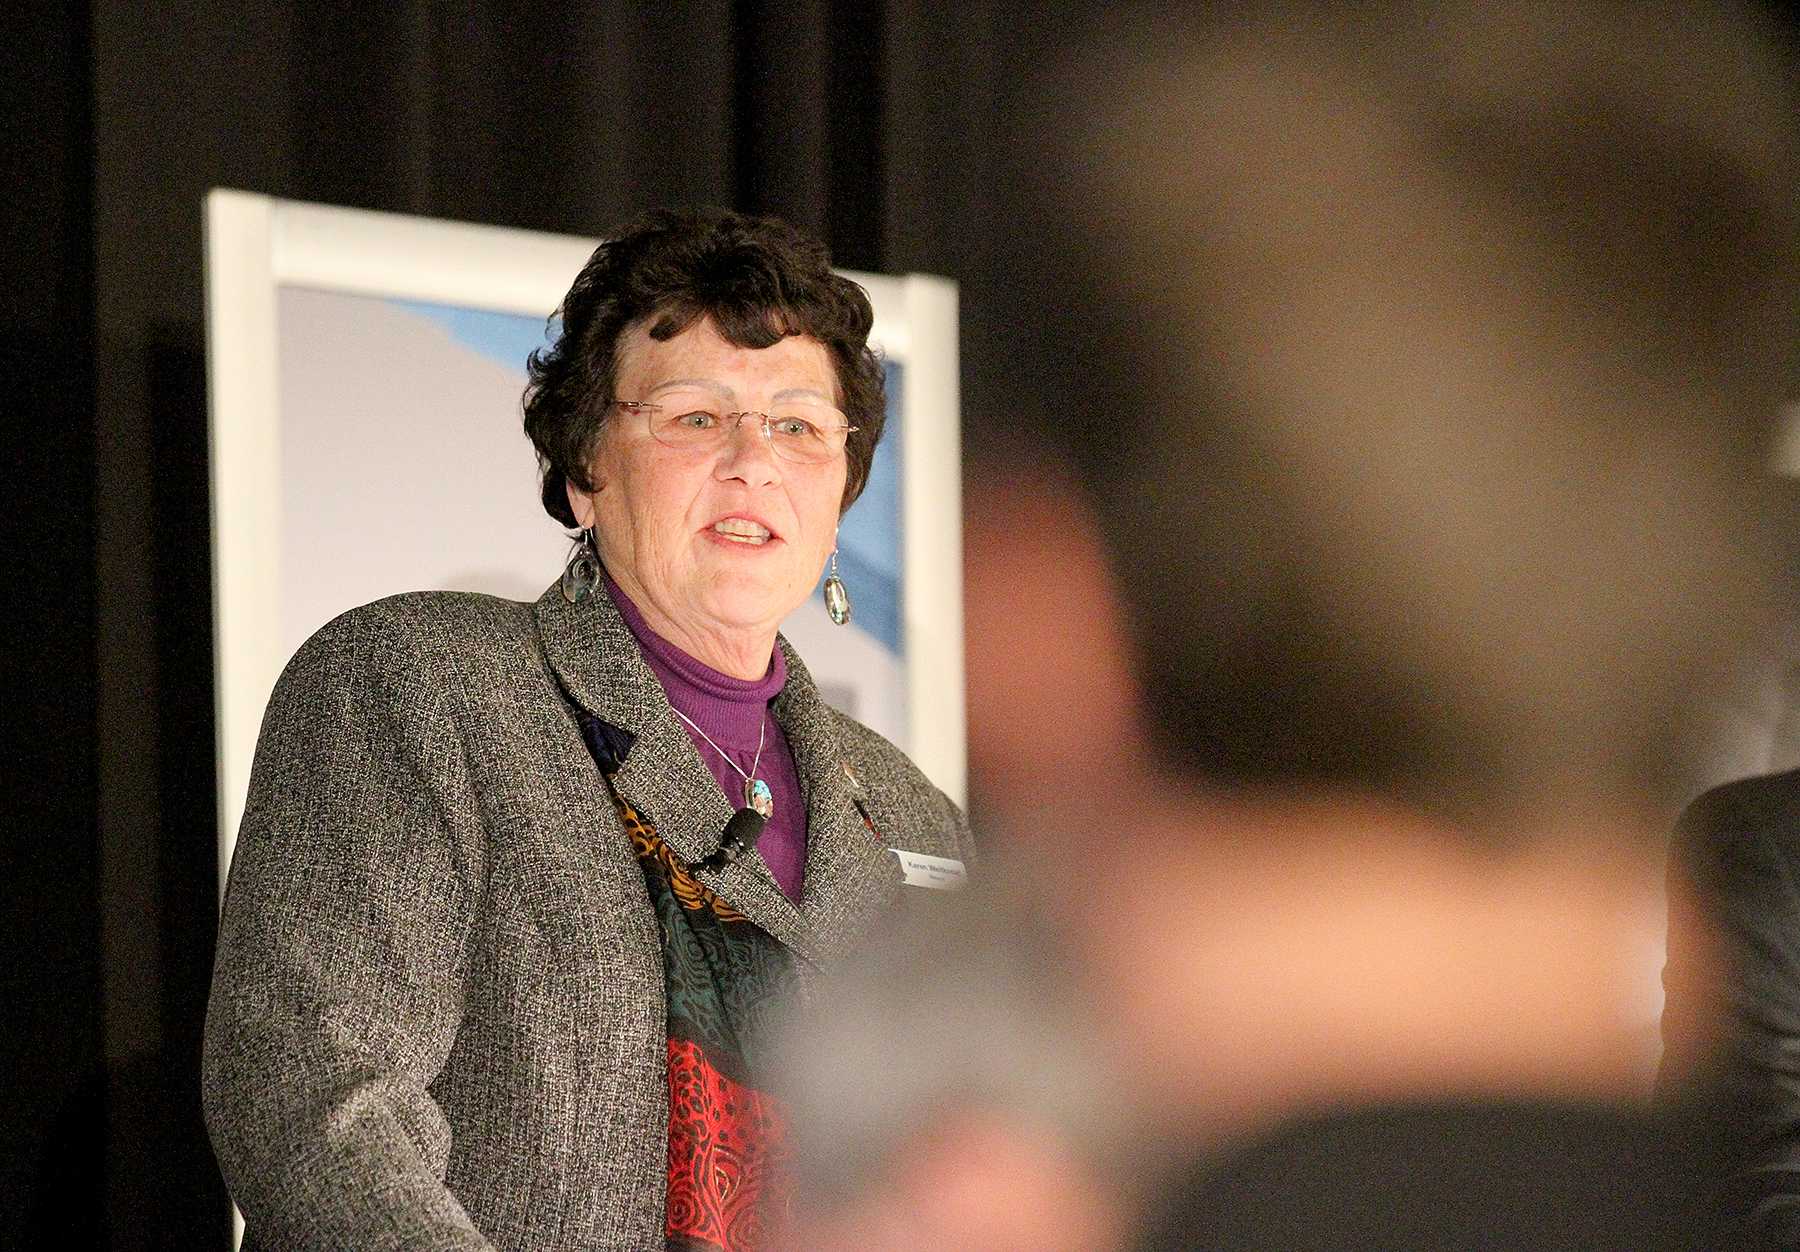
(1054, 700)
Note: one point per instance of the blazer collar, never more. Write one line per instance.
(849, 874)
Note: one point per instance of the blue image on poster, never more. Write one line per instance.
(507, 338)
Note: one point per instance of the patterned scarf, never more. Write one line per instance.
(722, 975)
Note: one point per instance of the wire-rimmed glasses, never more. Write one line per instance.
(803, 433)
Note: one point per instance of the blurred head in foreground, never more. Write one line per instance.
(1421, 362)
(1417, 365)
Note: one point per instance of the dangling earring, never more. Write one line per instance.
(837, 599)
(582, 574)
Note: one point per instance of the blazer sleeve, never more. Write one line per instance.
(343, 945)
(1737, 846)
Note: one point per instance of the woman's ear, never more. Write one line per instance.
(581, 503)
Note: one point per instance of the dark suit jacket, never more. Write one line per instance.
(437, 1016)
(1446, 1176)
(1738, 846)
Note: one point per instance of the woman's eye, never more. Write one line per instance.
(793, 427)
(697, 421)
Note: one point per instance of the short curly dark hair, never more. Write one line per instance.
(758, 279)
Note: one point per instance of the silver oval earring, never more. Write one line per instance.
(837, 599)
(582, 574)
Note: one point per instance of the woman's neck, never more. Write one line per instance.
(744, 653)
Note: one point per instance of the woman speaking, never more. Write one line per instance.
(516, 884)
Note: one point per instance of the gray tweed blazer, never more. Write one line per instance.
(437, 1016)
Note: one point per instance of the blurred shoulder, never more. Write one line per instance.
(1767, 802)
(1742, 830)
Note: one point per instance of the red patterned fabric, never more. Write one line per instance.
(726, 1138)
(723, 1137)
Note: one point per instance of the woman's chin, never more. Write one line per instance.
(749, 605)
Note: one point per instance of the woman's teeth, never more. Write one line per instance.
(736, 528)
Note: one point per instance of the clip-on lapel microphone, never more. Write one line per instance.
(741, 834)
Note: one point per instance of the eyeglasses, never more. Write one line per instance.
(806, 434)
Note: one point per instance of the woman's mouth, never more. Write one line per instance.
(742, 530)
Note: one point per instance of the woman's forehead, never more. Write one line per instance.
(701, 358)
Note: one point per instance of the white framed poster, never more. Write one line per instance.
(364, 377)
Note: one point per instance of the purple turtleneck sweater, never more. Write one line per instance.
(734, 711)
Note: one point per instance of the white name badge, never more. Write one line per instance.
(931, 871)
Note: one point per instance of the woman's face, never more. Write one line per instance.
(722, 542)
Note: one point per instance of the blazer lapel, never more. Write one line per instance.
(850, 875)
(662, 776)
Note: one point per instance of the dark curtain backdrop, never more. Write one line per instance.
(874, 124)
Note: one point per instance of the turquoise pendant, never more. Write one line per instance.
(758, 796)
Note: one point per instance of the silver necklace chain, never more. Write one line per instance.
(750, 779)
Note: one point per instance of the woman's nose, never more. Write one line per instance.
(749, 452)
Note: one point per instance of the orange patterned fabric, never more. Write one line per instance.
(692, 893)
(720, 971)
